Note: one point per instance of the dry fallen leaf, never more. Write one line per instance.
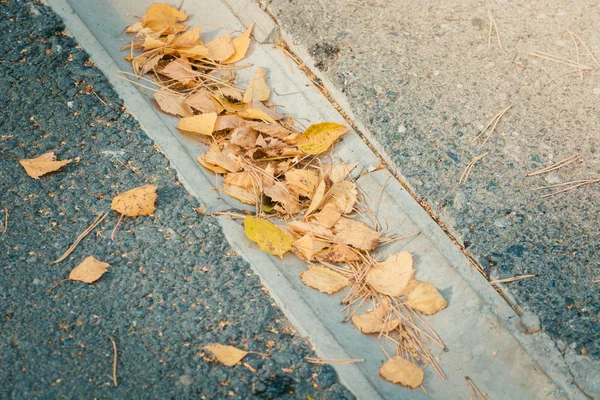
(317, 138)
(356, 234)
(89, 271)
(203, 124)
(172, 103)
(220, 49)
(410, 286)
(302, 228)
(376, 321)
(323, 279)
(205, 103)
(337, 172)
(164, 18)
(328, 216)
(258, 90)
(180, 70)
(245, 195)
(188, 39)
(42, 165)
(215, 168)
(343, 195)
(241, 179)
(302, 181)
(255, 113)
(317, 198)
(136, 202)
(227, 355)
(426, 299)
(267, 235)
(391, 276)
(307, 246)
(401, 371)
(288, 202)
(241, 44)
(340, 253)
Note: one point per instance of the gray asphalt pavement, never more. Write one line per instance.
(174, 284)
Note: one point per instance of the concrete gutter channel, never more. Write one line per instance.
(486, 339)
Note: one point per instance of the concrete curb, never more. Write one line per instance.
(304, 308)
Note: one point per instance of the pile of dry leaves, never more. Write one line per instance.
(267, 161)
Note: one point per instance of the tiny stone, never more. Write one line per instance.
(401, 129)
(531, 322)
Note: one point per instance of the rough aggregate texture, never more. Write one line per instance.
(422, 77)
(174, 283)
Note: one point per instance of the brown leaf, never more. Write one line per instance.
(203, 124)
(244, 136)
(241, 44)
(288, 201)
(302, 181)
(302, 228)
(323, 279)
(307, 246)
(227, 355)
(215, 168)
(241, 179)
(246, 196)
(228, 122)
(343, 195)
(164, 18)
(317, 198)
(328, 216)
(255, 113)
(197, 52)
(150, 64)
(180, 70)
(337, 172)
(136, 202)
(410, 286)
(172, 103)
(257, 90)
(317, 138)
(188, 39)
(267, 235)
(204, 102)
(340, 253)
(376, 321)
(392, 276)
(232, 93)
(89, 271)
(274, 130)
(426, 299)
(42, 165)
(220, 49)
(403, 372)
(223, 159)
(356, 234)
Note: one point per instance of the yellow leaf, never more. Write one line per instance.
(188, 39)
(151, 42)
(410, 286)
(337, 172)
(268, 236)
(258, 90)
(228, 122)
(323, 279)
(356, 234)
(307, 246)
(42, 165)
(199, 51)
(401, 371)
(89, 271)
(241, 179)
(136, 27)
(241, 44)
(246, 196)
(391, 276)
(376, 321)
(426, 299)
(163, 17)
(302, 181)
(220, 49)
(203, 124)
(255, 113)
(215, 168)
(172, 103)
(317, 198)
(228, 355)
(136, 202)
(317, 138)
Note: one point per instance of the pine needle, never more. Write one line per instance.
(83, 234)
(465, 175)
(513, 279)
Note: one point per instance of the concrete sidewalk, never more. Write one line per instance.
(484, 336)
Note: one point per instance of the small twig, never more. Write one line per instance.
(340, 361)
(514, 278)
(101, 101)
(469, 168)
(476, 392)
(56, 285)
(128, 167)
(94, 224)
(493, 122)
(114, 345)
(5, 220)
(112, 235)
(555, 166)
